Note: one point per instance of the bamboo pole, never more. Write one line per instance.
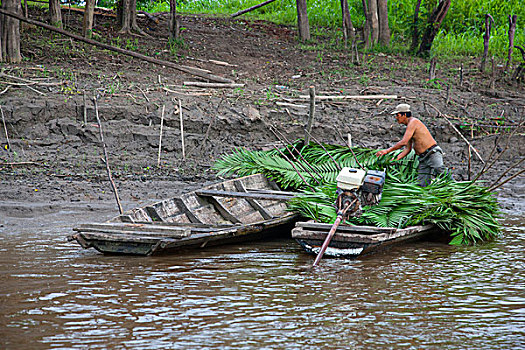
(160, 134)
(189, 70)
(115, 192)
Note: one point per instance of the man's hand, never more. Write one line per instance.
(381, 153)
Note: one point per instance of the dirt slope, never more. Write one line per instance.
(46, 122)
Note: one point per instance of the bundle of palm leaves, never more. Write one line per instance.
(468, 211)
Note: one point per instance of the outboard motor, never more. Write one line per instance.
(359, 187)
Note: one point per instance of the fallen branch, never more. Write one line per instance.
(188, 70)
(349, 97)
(487, 167)
(507, 180)
(212, 85)
(459, 133)
(251, 8)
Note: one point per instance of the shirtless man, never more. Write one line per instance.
(417, 137)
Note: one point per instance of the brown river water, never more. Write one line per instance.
(424, 295)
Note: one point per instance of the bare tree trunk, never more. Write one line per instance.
(174, 21)
(55, 13)
(123, 15)
(87, 24)
(415, 32)
(366, 27)
(26, 12)
(374, 20)
(10, 32)
(512, 31)
(134, 24)
(486, 40)
(302, 20)
(434, 22)
(348, 27)
(384, 28)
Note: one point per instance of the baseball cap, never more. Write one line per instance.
(401, 108)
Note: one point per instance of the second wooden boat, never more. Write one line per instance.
(247, 208)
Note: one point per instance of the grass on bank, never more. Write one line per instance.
(461, 33)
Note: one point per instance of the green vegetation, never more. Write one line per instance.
(464, 209)
(461, 33)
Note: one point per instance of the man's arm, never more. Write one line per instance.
(405, 152)
(404, 142)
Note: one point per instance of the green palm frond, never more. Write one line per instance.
(468, 211)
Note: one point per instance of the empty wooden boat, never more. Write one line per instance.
(352, 241)
(247, 208)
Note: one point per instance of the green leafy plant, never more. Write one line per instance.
(468, 211)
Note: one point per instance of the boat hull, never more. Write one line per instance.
(354, 241)
(244, 209)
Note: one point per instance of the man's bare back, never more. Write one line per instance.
(420, 136)
(416, 136)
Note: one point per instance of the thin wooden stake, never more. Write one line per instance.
(160, 134)
(106, 157)
(85, 109)
(493, 76)
(5, 129)
(469, 163)
(182, 131)
(311, 116)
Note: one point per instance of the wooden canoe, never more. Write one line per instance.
(353, 241)
(247, 208)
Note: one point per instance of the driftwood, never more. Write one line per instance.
(350, 97)
(188, 70)
(212, 85)
(251, 8)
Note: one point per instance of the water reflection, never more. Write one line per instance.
(423, 295)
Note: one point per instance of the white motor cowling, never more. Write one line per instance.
(358, 188)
